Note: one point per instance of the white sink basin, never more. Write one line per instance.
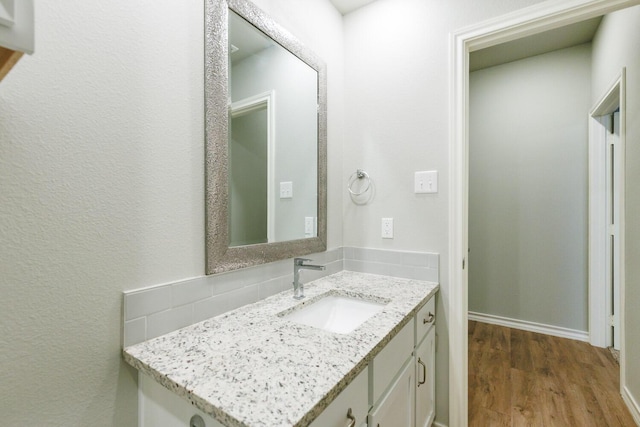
(336, 313)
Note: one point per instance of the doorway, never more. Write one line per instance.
(532, 20)
(528, 191)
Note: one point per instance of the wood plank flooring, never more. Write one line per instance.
(520, 378)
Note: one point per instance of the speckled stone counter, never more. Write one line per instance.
(251, 367)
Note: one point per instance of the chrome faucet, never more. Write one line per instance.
(298, 264)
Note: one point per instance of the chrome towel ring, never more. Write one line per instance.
(357, 175)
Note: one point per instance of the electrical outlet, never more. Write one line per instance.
(308, 226)
(387, 228)
(286, 190)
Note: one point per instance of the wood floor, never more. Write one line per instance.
(520, 378)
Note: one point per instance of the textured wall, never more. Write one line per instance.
(528, 188)
(102, 190)
(617, 45)
(101, 170)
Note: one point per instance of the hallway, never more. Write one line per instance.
(520, 378)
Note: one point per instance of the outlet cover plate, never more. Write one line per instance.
(387, 228)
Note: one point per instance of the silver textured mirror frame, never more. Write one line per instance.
(219, 256)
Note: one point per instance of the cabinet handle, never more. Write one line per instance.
(428, 319)
(424, 375)
(352, 419)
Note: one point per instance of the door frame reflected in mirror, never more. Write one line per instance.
(240, 108)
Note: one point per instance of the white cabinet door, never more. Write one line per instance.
(425, 380)
(396, 408)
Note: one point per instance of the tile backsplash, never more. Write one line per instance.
(160, 309)
(408, 265)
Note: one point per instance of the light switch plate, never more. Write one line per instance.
(286, 190)
(426, 182)
(387, 228)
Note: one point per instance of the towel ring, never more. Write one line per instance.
(358, 174)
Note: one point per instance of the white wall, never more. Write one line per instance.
(397, 104)
(617, 45)
(102, 190)
(528, 189)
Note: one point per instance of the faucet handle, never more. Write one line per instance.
(300, 261)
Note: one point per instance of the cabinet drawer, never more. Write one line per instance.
(388, 362)
(425, 319)
(353, 398)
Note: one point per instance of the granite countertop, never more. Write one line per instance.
(250, 367)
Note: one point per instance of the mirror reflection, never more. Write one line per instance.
(273, 140)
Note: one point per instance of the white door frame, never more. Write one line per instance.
(248, 105)
(599, 296)
(532, 20)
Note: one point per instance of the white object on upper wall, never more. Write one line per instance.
(426, 182)
(17, 25)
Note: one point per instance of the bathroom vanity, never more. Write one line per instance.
(259, 366)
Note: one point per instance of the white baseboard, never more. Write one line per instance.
(556, 331)
(632, 404)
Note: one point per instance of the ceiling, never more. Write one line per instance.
(537, 44)
(346, 6)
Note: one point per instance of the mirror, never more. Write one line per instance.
(265, 111)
